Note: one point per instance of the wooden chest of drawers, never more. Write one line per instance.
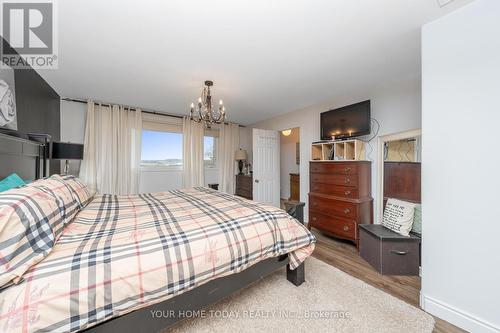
(294, 187)
(244, 186)
(340, 197)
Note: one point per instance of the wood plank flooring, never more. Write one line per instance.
(344, 256)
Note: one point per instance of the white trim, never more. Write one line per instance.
(456, 316)
(380, 164)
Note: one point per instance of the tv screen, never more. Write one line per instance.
(345, 122)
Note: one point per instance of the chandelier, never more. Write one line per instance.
(204, 111)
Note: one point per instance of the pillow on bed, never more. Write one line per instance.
(81, 192)
(64, 197)
(27, 217)
(398, 216)
(11, 182)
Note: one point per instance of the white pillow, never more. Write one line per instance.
(398, 216)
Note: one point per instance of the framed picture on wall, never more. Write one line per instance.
(8, 115)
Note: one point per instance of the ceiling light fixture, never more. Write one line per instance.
(286, 132)
(204, 111)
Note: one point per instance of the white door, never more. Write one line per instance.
(266, 167)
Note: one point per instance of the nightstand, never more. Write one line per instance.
(295, 209)
(244, 186)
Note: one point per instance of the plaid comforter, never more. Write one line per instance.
(122, 253)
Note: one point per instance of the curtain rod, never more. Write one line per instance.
(130, 108)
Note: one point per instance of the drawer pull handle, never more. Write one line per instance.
(347, 211)
(314, 219)
(399, 253)
(347, 192)
(347, 170)
(346, 228)
(347, 180)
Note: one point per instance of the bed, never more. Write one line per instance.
(122, 257)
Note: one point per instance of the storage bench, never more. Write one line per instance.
(389, 252)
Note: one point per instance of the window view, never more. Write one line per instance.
(161, 149)
(209, 150)
(164, 149)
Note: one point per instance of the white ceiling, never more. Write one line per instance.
(265, 57)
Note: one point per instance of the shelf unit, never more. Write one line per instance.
(348, 150)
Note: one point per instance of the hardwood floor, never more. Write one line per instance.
(344, 256)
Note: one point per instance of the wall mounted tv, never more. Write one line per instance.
(346, 122)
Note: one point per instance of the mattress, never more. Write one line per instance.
(123, 253)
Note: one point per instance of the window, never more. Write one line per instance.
(161, 149)
(209, 147)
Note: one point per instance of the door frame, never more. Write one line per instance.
(380, 164)
(300, 159)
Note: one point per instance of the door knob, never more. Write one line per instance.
(256, 180)
(347, 211)
(346, 228)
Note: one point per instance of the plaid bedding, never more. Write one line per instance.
(122, 253)
(28, 218)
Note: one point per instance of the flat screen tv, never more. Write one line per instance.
(346, 122)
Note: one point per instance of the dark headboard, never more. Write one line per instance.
(22, 156)
(402, 180)
(38, 106)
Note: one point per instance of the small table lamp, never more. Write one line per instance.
(67, 151)
(240, 156)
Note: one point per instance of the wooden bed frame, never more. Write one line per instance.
(27, 159)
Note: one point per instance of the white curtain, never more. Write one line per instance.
(229, 143)
(112, 149)
(192, 153)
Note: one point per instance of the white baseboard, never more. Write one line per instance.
(455, 316)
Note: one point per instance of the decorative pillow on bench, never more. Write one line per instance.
(417, 220)
(398, 216)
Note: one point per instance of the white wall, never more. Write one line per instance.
(396, 106)
(460, 174)
(73, 130)
(288, 162)
(246, 141)
(73, 116)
